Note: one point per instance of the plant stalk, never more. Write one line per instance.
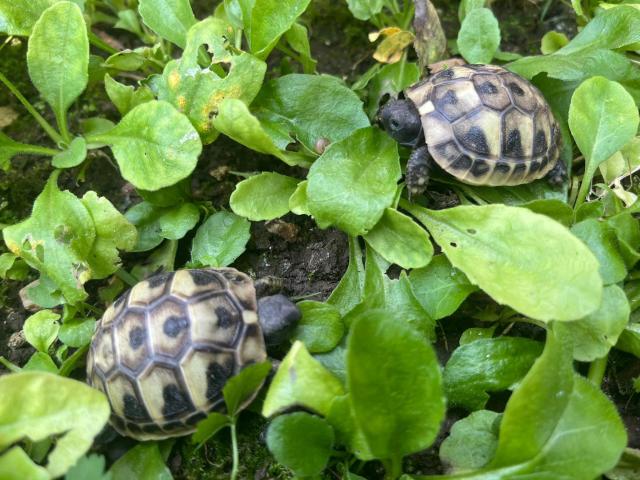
(46, 126)
(597, 370)
(234, 446)
(37, 149)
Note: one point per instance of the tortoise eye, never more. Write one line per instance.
(394, 124)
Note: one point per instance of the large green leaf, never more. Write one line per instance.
(58, 56)
(18, 18)
(487, 365)
(603, 117)
(142, 461)
(354, 181)
(263, 197)
(601, 239)
(265, 21)
(302, 442)
(479, 36)
(309, 107)
(520, 258)
(320, 328)
(38, 405)
(154, 145)
(168, 18)
(41, 329)
(220, 240)
(15, 464)
(198, 92)
(395, 385)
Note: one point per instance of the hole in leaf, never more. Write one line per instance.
(471, 231)
(453, 244)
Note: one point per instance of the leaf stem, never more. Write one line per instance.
(393, 468)
(96, 41)
(36, 149)
(61, 120)
(583, 192)
(597, 370)
(53, 134)
(234, 447)
(126, 277)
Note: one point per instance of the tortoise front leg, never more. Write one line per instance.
(418, 168)
(558, 174)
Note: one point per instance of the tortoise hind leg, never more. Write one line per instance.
(558, 174)
(418, 169)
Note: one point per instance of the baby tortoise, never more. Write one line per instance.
(164, 350)
(480, 123)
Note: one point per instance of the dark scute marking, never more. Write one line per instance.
(133, 409)
(462, 163)
(173, 426)
(225, 317)
(544, 162)
(117, 422)
(136, 337)
(475, 140)
(174, 325)
(503, 167)
(445, 74)
(175, 401)
(535, 166)
(133, 428)
(519, 169)
(539, 143)
(121, 299)
(200, 277)
(193, 419)
(513, 146)
(151, 428)
(217, 375)
(449, 98)
(515, 88)
(158, 280)
(479, 168)
(487, 88)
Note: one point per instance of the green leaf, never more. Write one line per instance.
(395, 385)
(236, 121)
(77, 333)
(241, 389)
(320, 328)
(472, 441)
(479, 36)
(19, 18)
(487, 365)
(89, 467)
(208, 427)
(265, 21)
(15, 464)
(198, 92)
(176, 222)
(263, 197)
(473, 334)
(155, 146)
(298, 200)
(552, 42)
(520, 258)
(398, 239)
(309, 107)
(365, 9)
(602, 241)
(56, 239)
(400, 298)
(342, 420)
(558, 424)
(391, 79)
(298, 39)
(603, 118)
(41, 362)
(348, 293)
(142, 461)
(552, 208)
(126, 97)
(354, 181)
(220, 240)
(614, 29)
(171, 19)
(58, 56)
(440, 288)
(594, 335)
(113, 233)
(301, 442)
(73, 156)
(301, 381)
(467, 5)
(37, 405)
(41, 329)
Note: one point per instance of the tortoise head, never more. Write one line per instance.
(401, 120)
(278, 317)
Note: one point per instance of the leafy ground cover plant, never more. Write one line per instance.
(474, 332)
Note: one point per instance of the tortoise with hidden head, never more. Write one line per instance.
(481, 123)
(164, 350)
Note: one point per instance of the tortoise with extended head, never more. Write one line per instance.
(164, 350)
(480, 123)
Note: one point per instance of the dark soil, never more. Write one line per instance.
(309, 261)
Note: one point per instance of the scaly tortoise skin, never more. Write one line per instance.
(164, 350)
(487, 126)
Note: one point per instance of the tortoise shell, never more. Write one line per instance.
(487, 126)
(164, 350)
